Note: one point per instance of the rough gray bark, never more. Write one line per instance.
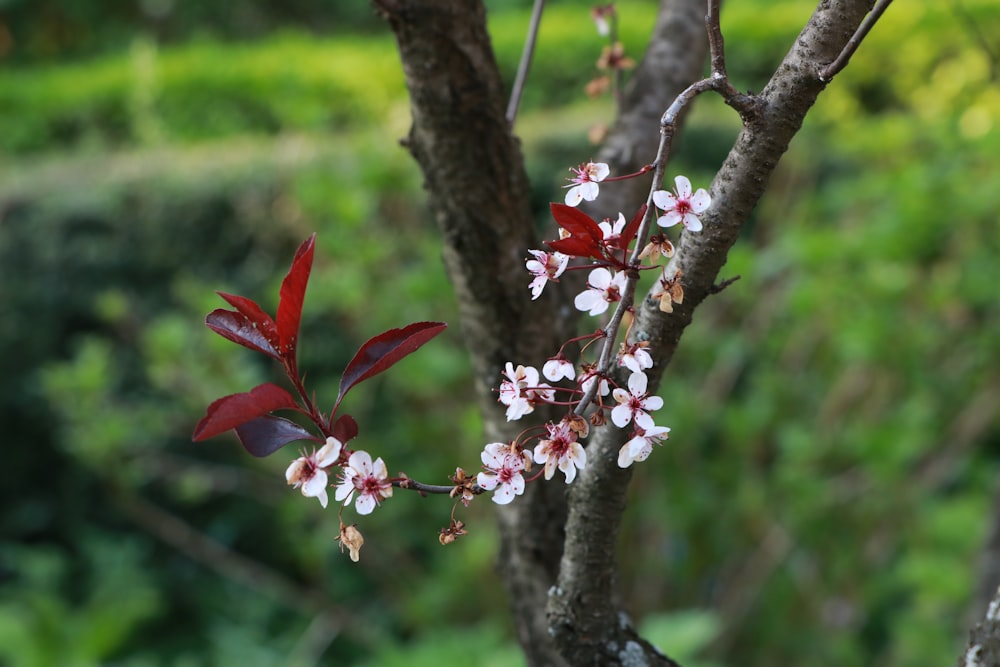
(478, 191)
(984, 639)
(558, 558)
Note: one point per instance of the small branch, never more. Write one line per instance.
(718, 287)
(522, 69)
(716, 44)
(831, 70)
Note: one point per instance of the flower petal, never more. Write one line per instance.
(665, 200)
(692, 222)
(637, 384)
(329, 453)
(365, 504)
(574, 196)
(669, 220)
(589, 190)
(621, 415)
(700, 201)
(683, 187)
(624, 458)
(344, 491)
(487, 481)
(315, 484)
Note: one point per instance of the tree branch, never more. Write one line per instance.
(583, 621)
(521, 77)
(478, 193)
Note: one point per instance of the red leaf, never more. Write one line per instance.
(265, 435)
(384, 350)
(238, 328)
(631, 229)
(231, 411)
(255, 314)
(293, 291)
(577, 223)
(575, 247)
(345, 428)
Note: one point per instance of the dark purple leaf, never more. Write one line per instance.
(345, 428)
(261, 320)
(577, 223)
(293, 292)
(265, 435)
(384, 350)
(231, 411)
(575, 247)
(238, 328)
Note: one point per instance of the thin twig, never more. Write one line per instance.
(718, 287)
(744, 104)
(526, 55)
(831, 70)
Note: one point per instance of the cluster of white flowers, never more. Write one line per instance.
(522, 390)
(359, 475)
(367, 482)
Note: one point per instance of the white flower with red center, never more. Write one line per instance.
(560, 450)
(521, 391)
(641, 445)
(584, 184)
(503, 466)
(634, 403)
(308, 472)
(682, 206)
(557, 368)
(545, 266)
(612, 231)
(635, 357)
(603, 288)
(370, 481)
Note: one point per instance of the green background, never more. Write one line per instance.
(827, 489)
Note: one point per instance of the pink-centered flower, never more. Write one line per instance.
(308, 472)
(369, 480)
(503, 471)
(544, 267)
(521, 391)
(584, 186)
(634, 403)
(641, 445)
(682, 206)
(603, 288)
(560, 450)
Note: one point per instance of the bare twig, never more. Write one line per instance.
(522, 69)
(831, 70)
(718, 287)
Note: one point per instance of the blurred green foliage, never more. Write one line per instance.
(834, 411)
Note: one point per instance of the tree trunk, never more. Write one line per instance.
(558, 556)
